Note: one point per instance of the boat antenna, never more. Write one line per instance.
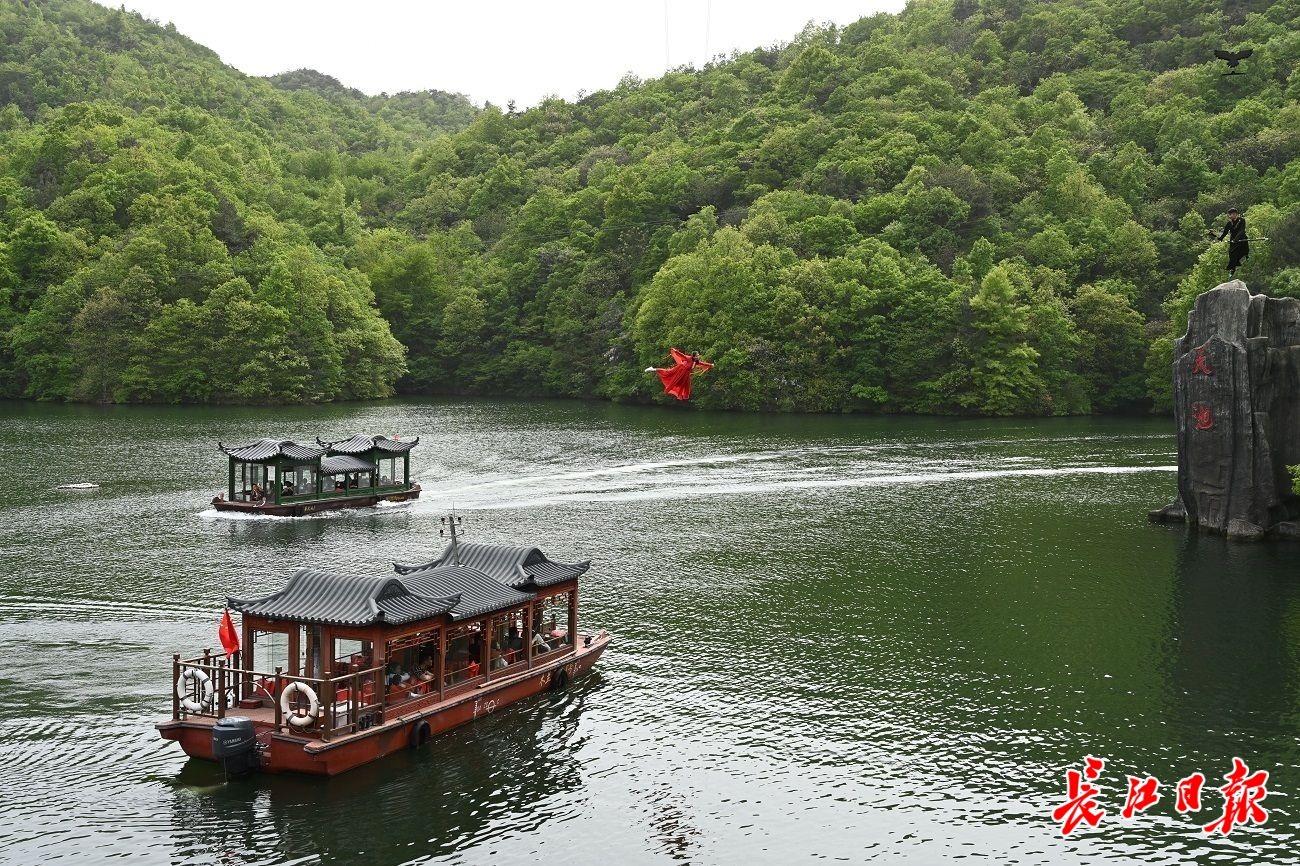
(451, 527)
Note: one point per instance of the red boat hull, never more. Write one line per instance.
(405, 725)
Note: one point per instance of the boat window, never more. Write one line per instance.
(388, 472)
(302, 479)
(551, 621)
(506, 645)
(464, 654)
(349, 656)
(270, 650)
(413, 658)
(246, 475)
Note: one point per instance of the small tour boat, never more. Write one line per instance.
(334, 671)
(283, 478)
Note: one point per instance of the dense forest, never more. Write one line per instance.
(975, 206)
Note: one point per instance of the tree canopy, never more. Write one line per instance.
(974, 206)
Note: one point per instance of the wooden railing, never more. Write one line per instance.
(345, 704)
(217, 683)
(361, 706)
(327, 493)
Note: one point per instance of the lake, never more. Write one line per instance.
(846, 639)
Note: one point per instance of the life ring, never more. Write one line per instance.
(291, 715)
(202, 690)
(561, 679)
(420, 734)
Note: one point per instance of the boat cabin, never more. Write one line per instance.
(389, 459)
(283, 477)
(329, 656)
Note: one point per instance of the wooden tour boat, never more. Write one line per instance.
(284, 478)
(336, 671)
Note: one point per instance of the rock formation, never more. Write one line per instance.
(1237, 408)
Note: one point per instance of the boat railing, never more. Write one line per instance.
(555, 645)
(208, 685)
(509, 662)
(211, 685)
(332, 493)
(351, 702)
(459, 672)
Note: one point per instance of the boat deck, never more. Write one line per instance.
(399, 714)
(326, 502)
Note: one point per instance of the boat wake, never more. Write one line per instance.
(761, 473)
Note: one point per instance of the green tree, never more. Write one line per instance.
(1112, 350)
(1003, 375)
(108, 340)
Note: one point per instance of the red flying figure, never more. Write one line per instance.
(677, 380)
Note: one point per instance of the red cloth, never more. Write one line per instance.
(226, 632)
(677, 380)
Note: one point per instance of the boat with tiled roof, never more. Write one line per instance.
(283, 478)
(333, 671)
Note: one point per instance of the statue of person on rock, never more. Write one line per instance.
(1238, 243)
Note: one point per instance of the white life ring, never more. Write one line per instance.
(202, 690)
(297, 719)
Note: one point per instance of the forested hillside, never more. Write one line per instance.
(173, 230)
(979, 206)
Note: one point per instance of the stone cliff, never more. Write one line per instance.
(1237, 409)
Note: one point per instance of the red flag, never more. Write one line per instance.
(226, 631)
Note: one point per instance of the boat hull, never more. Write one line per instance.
(405, 726)
(297, 509)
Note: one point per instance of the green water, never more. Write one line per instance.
(836, 638)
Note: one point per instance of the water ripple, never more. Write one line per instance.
(836, 639)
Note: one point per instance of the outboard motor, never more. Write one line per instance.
(234, 745)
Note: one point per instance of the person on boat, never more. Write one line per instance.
(1238, 245)
(256, 494)
(288, 489)
(677, 379)
(339, 486)
(539, 642)
(472, 669)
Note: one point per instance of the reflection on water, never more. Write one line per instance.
(862, 639)
(435, 800)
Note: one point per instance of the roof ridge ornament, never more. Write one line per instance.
(451, 523)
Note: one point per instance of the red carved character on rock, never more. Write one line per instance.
(1201, 364)
(1203, 416)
